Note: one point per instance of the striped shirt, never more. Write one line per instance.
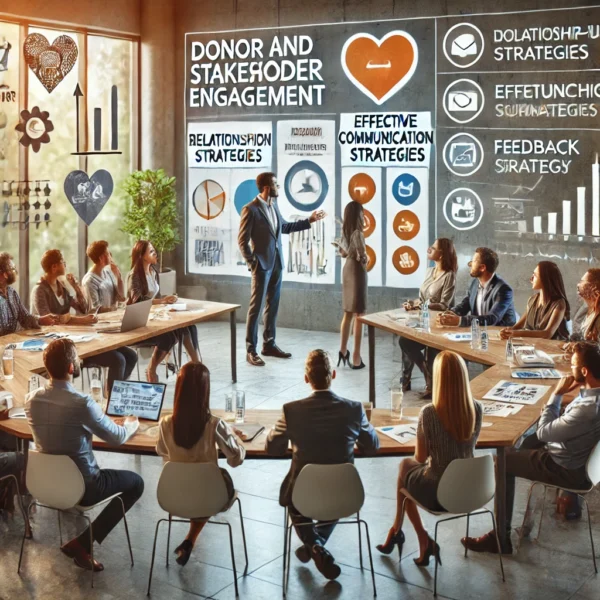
(100, 291)
(14, 314)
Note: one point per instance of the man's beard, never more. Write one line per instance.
(76, 370)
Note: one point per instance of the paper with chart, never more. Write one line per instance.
(536, 374)
(403, 434)
(520, 393)
(499, 409)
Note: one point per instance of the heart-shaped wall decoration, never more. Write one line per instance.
(379, 68)
(88, 195)
(50, 62)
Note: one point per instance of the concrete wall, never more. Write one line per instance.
(112, 15)
(315, 306)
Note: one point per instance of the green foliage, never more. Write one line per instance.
(151, 211)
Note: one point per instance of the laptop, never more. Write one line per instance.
(138, 398)
(136, 315)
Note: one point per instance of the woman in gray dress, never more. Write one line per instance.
(437, 289)
(548, 310)
(448, 429)
(354, 282)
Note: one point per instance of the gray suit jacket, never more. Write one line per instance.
(258, 241)
(323, 429)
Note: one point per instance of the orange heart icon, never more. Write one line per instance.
(379, 68)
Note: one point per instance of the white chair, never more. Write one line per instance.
(593, 472)
(327, 493)
(195, 491)
(55, 482)
(467, 485)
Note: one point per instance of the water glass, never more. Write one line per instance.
(96, 385)
(229, 412)
(240, 406)
(397, 396)
(368, 406)
(8, 363)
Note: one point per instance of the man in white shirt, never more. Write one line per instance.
(64, 421)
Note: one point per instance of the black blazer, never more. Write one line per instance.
(498, 306)
(257, 239)
(323, 429)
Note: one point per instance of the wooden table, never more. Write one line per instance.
(505, 431)
(161, 321)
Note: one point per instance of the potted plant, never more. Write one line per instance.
(151, 214)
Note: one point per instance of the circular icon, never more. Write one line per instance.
(463, 209)
(306, 186)
(361, 188)
(371, 258)
(209, 199)
(463, 45)
(245, 193)
(369, 223)
(35, 128)
(406, 189)
(406, 225)
(463, 154)
(405, 260)
(463, 100)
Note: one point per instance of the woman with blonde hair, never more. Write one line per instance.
(448, 428)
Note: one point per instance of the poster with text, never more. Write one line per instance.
(306, 174)
(407, 229)
(364, 185)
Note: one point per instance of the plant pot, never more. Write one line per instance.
(168, 282)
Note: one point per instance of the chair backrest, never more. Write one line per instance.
(327, 492)
(467, 484)
(192, 490)
(593, 465)
(54, 480)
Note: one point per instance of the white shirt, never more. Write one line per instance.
(480, 293)
(271, 214)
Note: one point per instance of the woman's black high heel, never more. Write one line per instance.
(356, 367)
(395, 539)
(184, 550)
(432, 550)
(344, 360)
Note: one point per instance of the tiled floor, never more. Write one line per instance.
(558, 567)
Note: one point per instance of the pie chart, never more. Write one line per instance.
(209, 199)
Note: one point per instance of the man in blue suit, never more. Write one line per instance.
(260, 244)
(490, 298)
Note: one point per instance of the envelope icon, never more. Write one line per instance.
(463, 101)
(464, 45)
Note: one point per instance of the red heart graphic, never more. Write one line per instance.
(379, 68)
(50, 63)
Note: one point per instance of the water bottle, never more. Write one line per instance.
(425, 317)
(484, 338)
(475, 335)
(509, 350)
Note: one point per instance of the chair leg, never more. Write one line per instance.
(91, 547)
(590, 528)
(467, 535)
(497, 543)
(289, 551)
(285, 524)
(168, 540)
(21, 507)
(527, 513)
(153, 555)
(24, 536)
(370, 555)
(59, 527)
(359, 540)
(543, 510)
(243, 536)
(436, 563)
(233, 561)
(126, 529)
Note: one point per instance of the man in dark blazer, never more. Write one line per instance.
(259, 240)
(490, 298)
(323, 429)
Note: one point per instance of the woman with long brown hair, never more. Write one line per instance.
(438, 290)
(143, 283)
(193, 434)
(547, 310)
(448, 428)
(354, 282)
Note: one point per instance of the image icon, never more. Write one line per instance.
(406, 189)
(463, 209)
(463, 154)
(463, 100)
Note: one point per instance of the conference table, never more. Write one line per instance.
(498, 433)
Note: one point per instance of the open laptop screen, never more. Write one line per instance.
(144, 400)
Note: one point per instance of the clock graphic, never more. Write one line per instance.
(306, 186)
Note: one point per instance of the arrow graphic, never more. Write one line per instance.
(78, 94)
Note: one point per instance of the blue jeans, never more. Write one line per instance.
(265, 284)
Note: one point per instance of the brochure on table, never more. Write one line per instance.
(519, 393)
(535, 374)
(403, 434)
(500, 409)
